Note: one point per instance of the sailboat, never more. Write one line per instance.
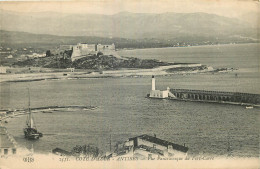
(30, 132)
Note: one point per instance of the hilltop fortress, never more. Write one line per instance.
(83, 50)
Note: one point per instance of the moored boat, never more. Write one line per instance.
(31, 132)
(249, 107)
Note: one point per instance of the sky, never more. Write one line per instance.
(228, 8)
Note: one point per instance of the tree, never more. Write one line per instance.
(99, 54)
(48, 53)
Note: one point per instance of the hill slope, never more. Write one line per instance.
(127, 25)
(23, 39)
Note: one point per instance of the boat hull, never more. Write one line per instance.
(32, 134)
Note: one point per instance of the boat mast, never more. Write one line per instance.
(30, 121)
(110, 140)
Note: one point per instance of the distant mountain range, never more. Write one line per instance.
(44, 41)
(128, 25)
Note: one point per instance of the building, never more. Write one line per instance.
(2, 70)
(9, 57)
(71, 69)
(150, 147)
(103, 48)
(22, 57)
(82, 50)
(7, 143)
(2, 114)
(158, 93)
(37, 55)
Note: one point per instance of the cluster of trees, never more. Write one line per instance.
(97, 62)
(110, 62)
(202, 67)
(59, 60)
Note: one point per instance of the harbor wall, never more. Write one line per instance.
(216, 96)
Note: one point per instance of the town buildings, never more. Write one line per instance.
(145, 147)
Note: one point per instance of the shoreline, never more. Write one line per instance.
(83, 74)
(221, 44)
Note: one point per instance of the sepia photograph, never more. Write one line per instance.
(130, 84)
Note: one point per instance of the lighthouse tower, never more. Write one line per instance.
(157, 93)
(153, 83)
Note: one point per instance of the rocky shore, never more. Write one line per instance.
(36, 74)
(59, 66)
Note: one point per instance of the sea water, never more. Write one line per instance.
(124, 112)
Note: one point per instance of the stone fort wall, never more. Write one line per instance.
(82, 50)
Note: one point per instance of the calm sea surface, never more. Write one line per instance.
(124, 112)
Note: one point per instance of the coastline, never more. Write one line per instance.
(49, 109)
(192, 46)
(81, 74)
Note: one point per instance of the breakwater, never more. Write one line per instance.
(216, 96)
(47, 109)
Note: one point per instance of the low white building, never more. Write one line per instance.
(71, 69)
(2, 113)
(36, 55)
(2, 70)
(159, 93)
(9, 56)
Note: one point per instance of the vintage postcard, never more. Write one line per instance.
(129, 84)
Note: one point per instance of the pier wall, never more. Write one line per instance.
(216, 96)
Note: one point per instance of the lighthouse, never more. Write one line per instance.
(157, 93)
(153, 83)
